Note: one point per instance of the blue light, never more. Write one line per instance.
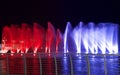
(92, 38)
(68, 28)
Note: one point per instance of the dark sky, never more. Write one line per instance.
(59, 12)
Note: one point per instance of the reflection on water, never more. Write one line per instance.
(97, 65)
(63, 65)
(66, 66)
(2, 67)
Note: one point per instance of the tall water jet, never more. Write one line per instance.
(85, 39)
(50, 38)
(6, 39)
(77, 35)
(67, 32)
(28, 39)
(91, 38)
(22, 37)
(14, 36)
(115, 39)
(101, 37)
(38, 36)
(112, 38)
(58, 40)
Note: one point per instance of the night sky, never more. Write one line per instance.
(59, 12)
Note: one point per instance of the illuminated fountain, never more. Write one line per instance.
(27, 39)
(84, 38)
(91, 38)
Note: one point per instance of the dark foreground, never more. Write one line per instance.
(59, 64)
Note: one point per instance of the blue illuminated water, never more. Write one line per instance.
(101, 38)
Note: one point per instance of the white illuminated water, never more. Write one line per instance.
(92, 38)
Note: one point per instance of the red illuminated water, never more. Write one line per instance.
(24, 39)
